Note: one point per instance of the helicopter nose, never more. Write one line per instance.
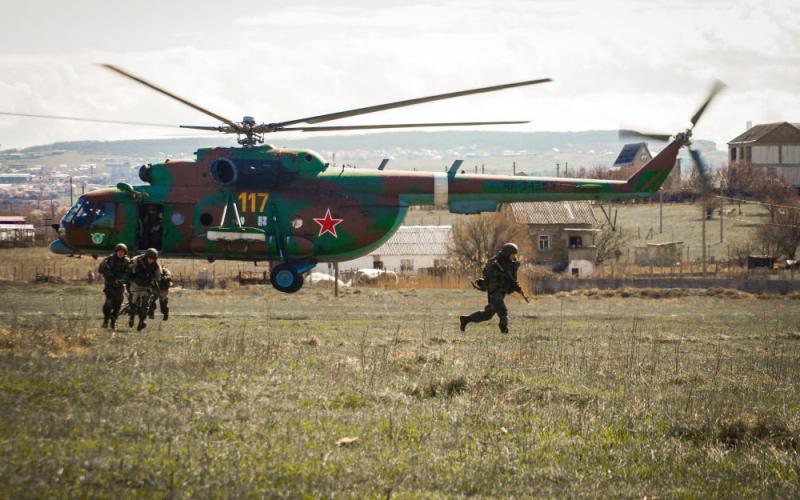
(60, 248)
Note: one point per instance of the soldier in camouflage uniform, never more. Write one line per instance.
(114, 270)
(162, 295)
(499, 280)
(145, 272)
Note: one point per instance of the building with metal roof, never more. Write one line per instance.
(563, 234)
(775, 146)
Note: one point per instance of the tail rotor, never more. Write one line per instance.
(684, 138)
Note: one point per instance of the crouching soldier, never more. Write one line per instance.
(145, 272)
(161, 292)
(114, 270)
(499, 280)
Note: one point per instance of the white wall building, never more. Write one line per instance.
(410, 249)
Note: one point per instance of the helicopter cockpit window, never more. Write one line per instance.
(80, 213)
(104, 216)
(72, 211)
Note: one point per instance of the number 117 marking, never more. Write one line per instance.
(244, 197)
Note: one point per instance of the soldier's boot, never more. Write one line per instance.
(165, 309)
(503, 325)
(113, 323)
(151, 312)
(141, 326)
(131, 317)
(106, 315)
(464, 322)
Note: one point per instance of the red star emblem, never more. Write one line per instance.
(328, 224)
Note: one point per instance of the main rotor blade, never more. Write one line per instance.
(625, 134)
(205, 127)
(718, 87)
(701, 168)
(398, 125)
(408, 102)
(81, 119)
(169, 94)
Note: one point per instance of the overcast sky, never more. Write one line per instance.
(643, 64)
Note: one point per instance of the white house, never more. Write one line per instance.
(410, 249)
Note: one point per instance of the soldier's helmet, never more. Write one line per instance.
(509, 249)
(151, 252)
(121, 246)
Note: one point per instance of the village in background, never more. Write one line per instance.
(743, 233)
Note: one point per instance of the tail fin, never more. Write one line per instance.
(652, 175)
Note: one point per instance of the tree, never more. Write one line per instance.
(603, 172)
(759, 183)
(776, 193)
(477, 238)
(738, 179)
(609, 244)
(781, 237)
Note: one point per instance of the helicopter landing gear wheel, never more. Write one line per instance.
(285, 278)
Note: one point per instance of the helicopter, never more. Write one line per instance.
(258, 202)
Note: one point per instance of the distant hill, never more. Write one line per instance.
(498, 142)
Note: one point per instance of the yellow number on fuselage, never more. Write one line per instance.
(252, 197)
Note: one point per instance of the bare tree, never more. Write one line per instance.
(477, 238)
(603, 172)
(781, 237)
(776, 193)
(739, 179)
(762, 184)
(609, 243)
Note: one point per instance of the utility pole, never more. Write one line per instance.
(705, 268)
(660, 211)
(335, 279)
(558, 170)
(721, 226)
(483, 168)
(514, 168)
(70, 191)
(566, 166)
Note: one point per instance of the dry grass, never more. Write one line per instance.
(255, 393)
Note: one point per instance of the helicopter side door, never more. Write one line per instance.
(150, 226)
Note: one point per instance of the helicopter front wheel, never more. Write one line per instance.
(286, 278)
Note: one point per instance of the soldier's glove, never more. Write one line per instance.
(516, 287)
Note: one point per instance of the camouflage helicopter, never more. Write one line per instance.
(291, 208)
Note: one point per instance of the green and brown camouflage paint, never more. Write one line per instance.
(310, 212)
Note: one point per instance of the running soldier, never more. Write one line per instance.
(499, 280)
(114, 270)
(162, 295)
(145, 272)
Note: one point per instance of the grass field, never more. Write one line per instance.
(250, 392)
